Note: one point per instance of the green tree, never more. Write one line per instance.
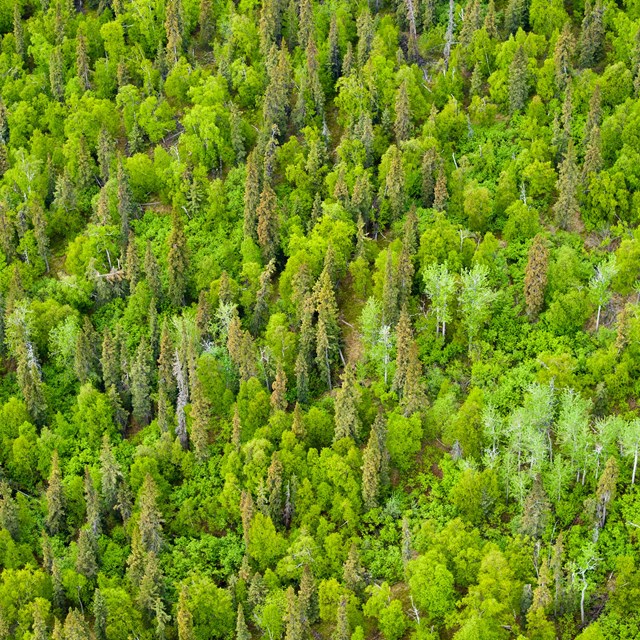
(440, 286)
(55, 498)
(518, 81)
(177, 260)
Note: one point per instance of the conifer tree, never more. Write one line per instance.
(267, 215)
(365, 29)
(302, 377)
(100, 613)
(150, 523)
(39, 223)
(440, 193)
(82, 61)
(372, 459)
(333, 60)
(347, 421)
(535, 281)
(92, 503)
(125, 206)
(56, 73)
(270, 25)
(352, 574)
(109, 360)
(591, 44)
(490, 21)
(413, 392)
(8, 510)
(242, 632)
(152, 272)
(185, 617)
(86, 357)
(566, 209)
(110, 474)
(390, 292)
(395, 182)
(515, 15)
(428, 169)
(305, 24)
(246, 514)
(236, 429)
(470, 23)
(606, 492)
(18, 33)
(261, 309)
(292, 620)
(428, 14)
(251, 196)
(174, 27)
(178, 261)
(404, 338)
(200, 420)
(402, 125)
(75, 626)
(306, 596)
(206, 22)
(279, 390)
(562, 56)
(86, 563)
(518, 80)
(55, 498)
(141, 383)
(342, 630)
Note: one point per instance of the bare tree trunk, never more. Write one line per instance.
(449, 36)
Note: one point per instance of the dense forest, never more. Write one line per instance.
(319, 319)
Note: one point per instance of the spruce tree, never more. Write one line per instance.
(566, 209)
(279, 390)
(562, 55)
(440, 192)
(56, 73)
(292, 620)
(535, 281)
(8, 510)
(251, 196)
(177, 261)
(515, 15)
(174, 28)
(200, 420)
(428, 169)
(125, 205)
(352, 573)
(395, 182)
(86, 356)
(246, 514)
(592, 34)
(150, 522)
(110, 474)
(342, 630)
(402, 125)
(347, 421)
(371, 466)
(242, 632)
(490, 21)
(275, 487)
(333, 60)
(55, 498)
(82, 61)
(100, 614)
(18, 33)
(141, 383)
(413, 393)
(267, 229)
(86, 563)
(518, 81)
